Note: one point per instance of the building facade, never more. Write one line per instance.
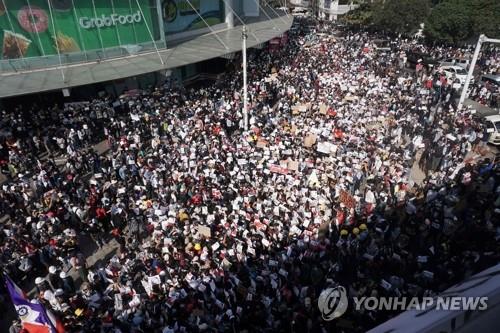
(326, 9)
(332, 9)
(59, 44)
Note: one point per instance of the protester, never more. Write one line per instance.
(227, 230)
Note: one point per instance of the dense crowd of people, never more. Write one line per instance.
(225, 230)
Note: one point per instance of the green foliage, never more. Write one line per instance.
(448, 21)
(456, 21)
(361, 15)
(400, 16)
(486, 17)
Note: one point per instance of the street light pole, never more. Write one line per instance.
(482, 39)
(244, 36)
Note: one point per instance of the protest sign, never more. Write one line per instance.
(310, 140)
(296, 109)
(204, 231)
(323, 109)
(261, 143)
(293, 165)
(324, 147)
(278, 169)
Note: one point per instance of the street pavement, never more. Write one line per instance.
(481, 110)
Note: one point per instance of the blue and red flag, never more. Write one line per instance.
(34, 317)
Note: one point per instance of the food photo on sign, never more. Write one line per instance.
(48, 28)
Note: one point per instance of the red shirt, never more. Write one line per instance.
(100, 213)
(338, 133)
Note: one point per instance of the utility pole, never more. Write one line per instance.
(482, 39)
(244, 37)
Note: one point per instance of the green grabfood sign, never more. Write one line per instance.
(33, 28)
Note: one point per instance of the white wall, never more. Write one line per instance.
(301, 3)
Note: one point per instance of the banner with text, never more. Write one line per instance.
(33, 28)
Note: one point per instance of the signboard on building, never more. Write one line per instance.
(183, 15)
(37, 28)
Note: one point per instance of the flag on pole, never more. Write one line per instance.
(34, 317)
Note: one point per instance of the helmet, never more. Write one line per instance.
(63, 275)
(39, 280)
(355, 231)
(197, 246)
(52, 269)
(343, 232)
(362, 227)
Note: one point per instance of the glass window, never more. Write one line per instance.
(182, 15)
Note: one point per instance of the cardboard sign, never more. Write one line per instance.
(226, 263)
(350, 98)
(323, 109)
(373, 124)
(310, 140)
(261, 143)
(296, 109)
(204, 231)
(293, 165)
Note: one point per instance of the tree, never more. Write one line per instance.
(457, 21)
(448, 22)
(361, 15)
(400, 16)
(486, 17)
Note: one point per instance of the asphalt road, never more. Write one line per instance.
(482, 110)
